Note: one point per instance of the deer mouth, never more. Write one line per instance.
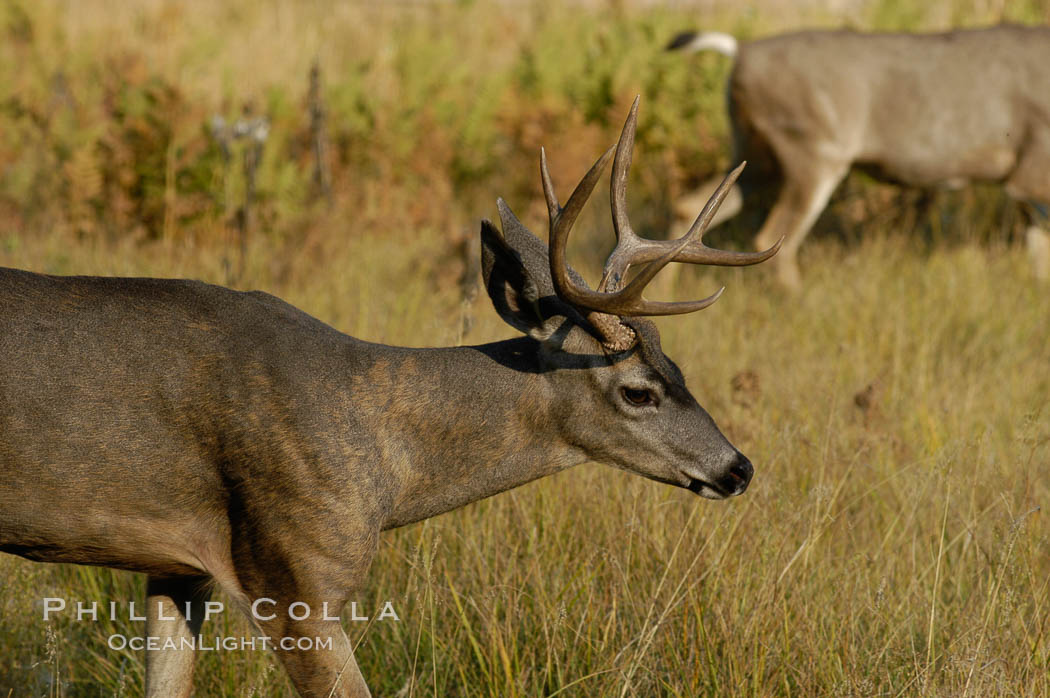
(706, 489)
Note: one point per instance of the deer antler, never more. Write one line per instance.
(630, 249)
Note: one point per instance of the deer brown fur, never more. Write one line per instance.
(205, 436)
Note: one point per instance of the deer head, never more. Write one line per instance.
(614, 394)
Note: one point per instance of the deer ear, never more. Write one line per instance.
(514, 290)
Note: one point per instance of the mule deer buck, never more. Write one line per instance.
(205, 436)
(923, 110)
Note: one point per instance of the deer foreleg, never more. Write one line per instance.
(169, 672)
(796, 210)
(316, 653)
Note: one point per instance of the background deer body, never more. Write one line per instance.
(201, 435)
(923, 110)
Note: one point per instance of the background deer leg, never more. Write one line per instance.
(801, 199)
(1030, 183)
(1037, 240)
(169, 673)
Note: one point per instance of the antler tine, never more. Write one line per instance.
(621, 167)
(699, 253)
(561, 220)
(708, 211)
(627, 241)
(553, 208)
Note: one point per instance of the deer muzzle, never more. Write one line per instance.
(730, 480)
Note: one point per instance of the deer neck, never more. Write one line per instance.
(464, 423)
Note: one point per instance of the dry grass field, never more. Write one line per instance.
(894, 541)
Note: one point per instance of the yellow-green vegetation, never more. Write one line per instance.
(892, 542)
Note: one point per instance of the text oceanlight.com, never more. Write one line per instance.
(217, 643)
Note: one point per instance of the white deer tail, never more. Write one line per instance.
(704, 41)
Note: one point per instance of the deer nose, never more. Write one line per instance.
(738, 475)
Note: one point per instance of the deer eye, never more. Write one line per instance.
(637, 396)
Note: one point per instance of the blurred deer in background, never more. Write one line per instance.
(922, 110)
(206, 437)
